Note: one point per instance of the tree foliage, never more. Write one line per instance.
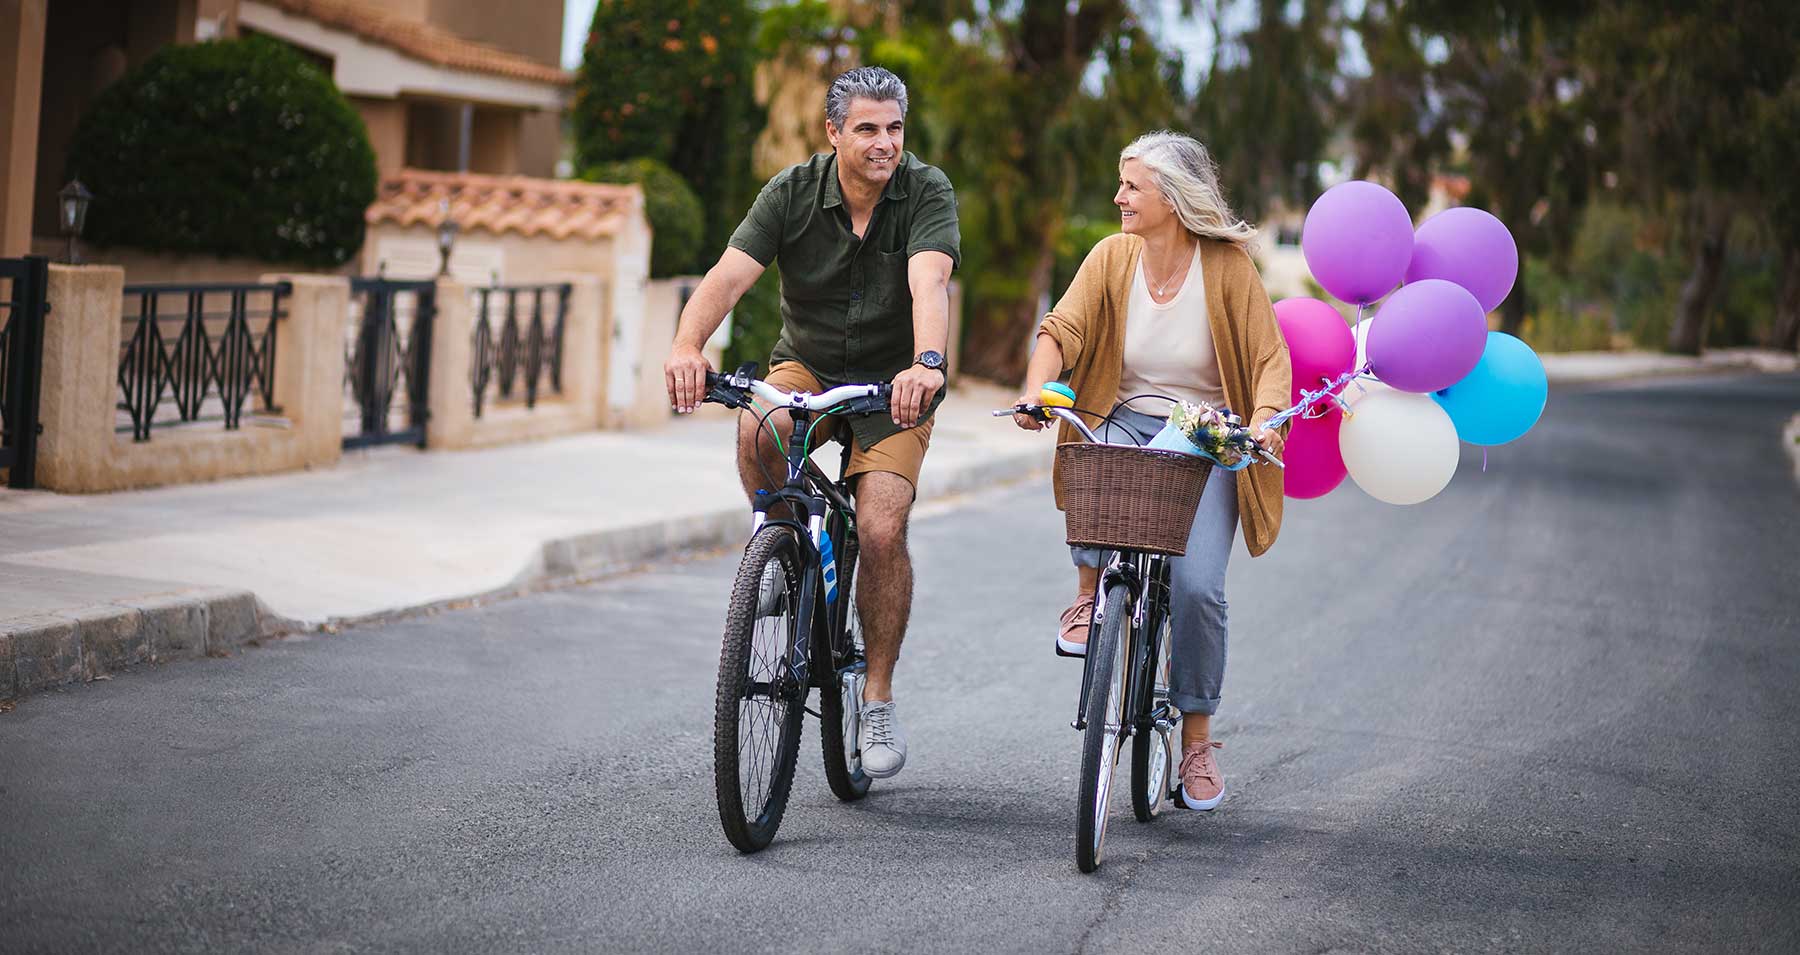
(671, 80)
(677, 221)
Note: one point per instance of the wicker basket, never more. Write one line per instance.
(1125, 498)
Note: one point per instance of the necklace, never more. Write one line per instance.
(1163, 289)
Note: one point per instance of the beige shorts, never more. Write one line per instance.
(902, 454)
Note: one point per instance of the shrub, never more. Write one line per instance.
(672, 208)
(235, 148)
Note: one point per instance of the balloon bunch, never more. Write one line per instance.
(1385, 404)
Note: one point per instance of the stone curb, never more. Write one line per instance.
(73, 646)
(37, 653)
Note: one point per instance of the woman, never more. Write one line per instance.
(1173, 305)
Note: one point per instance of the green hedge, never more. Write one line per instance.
(232, 148)
(672, 208)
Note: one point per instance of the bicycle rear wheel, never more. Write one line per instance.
(759, 703)
(1154, 753)
(1105, 723)
(840, 703)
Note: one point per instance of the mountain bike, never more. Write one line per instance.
(1137, 504)
(791, 623)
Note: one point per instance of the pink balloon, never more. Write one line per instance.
(1427, 336)
(1358, 239)
(1470, 247)
(1319, 343)
(1314, 464)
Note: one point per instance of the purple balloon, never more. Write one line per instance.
(1431, 333)
(1357, 240)
(1467, 246)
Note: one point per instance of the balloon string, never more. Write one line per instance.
(1310, 398)
(1484, 460)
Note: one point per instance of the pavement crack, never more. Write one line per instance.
(1114, 898)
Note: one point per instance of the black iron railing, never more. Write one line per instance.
(22, 311)
(197, 353)
(525, 352)
(387, 361)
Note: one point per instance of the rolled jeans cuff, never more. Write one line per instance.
(1187, 703)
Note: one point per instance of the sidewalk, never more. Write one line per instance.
(93, 584)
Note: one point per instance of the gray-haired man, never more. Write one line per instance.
(867, 237)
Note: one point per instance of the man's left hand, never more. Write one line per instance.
(913, 390)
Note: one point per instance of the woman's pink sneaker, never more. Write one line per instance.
(1202, 787)
(1071, 640)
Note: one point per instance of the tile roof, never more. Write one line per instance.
(522, 205)
(422, 40)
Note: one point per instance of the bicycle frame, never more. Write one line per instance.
(809, 491)
(1147, 578)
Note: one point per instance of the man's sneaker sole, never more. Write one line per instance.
(872, 774)
(1201, 805)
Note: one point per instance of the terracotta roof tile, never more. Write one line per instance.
(520, 205)
(423, 41)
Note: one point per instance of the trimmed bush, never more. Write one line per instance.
(231, 148)
(672, 208)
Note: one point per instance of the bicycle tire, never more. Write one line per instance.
(1100, 739)
(771, 773)
(1153, 759)
(840, 704)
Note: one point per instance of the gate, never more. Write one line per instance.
(388, 361)
(22, 310)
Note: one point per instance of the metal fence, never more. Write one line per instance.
(22, 311)
(387, 361)
(526, 352)
(197, 353)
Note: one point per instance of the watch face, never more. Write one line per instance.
(930, 359)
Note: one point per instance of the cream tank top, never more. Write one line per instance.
(1169, 347)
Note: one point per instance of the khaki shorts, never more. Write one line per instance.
(902, 454)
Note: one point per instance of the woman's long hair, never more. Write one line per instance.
(1184, 172)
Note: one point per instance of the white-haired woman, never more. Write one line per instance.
(1173, 305)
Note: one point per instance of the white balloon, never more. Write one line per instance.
(1362, 388)
(1399, 447)
(1360, 332)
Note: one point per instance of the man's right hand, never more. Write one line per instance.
(685, 374)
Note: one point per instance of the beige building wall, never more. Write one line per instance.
(21, 77)
(386, 122)
(531, 28)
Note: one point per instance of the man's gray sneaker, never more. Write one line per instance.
(882, 744)
(771, 597)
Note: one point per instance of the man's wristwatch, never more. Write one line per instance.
(932, 360)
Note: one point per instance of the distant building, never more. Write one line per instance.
(450, 85)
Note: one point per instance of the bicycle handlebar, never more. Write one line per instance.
(1244, 438)
(733, 391)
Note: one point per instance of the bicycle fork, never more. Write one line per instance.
(1120, 571)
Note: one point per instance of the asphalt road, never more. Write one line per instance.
(1555, 709)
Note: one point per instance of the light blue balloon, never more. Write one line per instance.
(1502, 397)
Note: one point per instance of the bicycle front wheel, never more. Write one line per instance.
(1105, 723)
(760, 699)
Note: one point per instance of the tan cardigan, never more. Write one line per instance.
(1089, 325)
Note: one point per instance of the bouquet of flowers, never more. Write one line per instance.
(1206, 431)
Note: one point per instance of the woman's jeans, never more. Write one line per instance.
(1197, 581)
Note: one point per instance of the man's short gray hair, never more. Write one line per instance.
(864, 82)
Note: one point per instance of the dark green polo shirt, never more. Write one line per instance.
(846, 309)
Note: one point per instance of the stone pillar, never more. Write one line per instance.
(584, 352)
(309, 363)
(80, 380)
(452, 421)
(21, 92)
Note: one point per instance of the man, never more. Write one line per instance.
(867, 238)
